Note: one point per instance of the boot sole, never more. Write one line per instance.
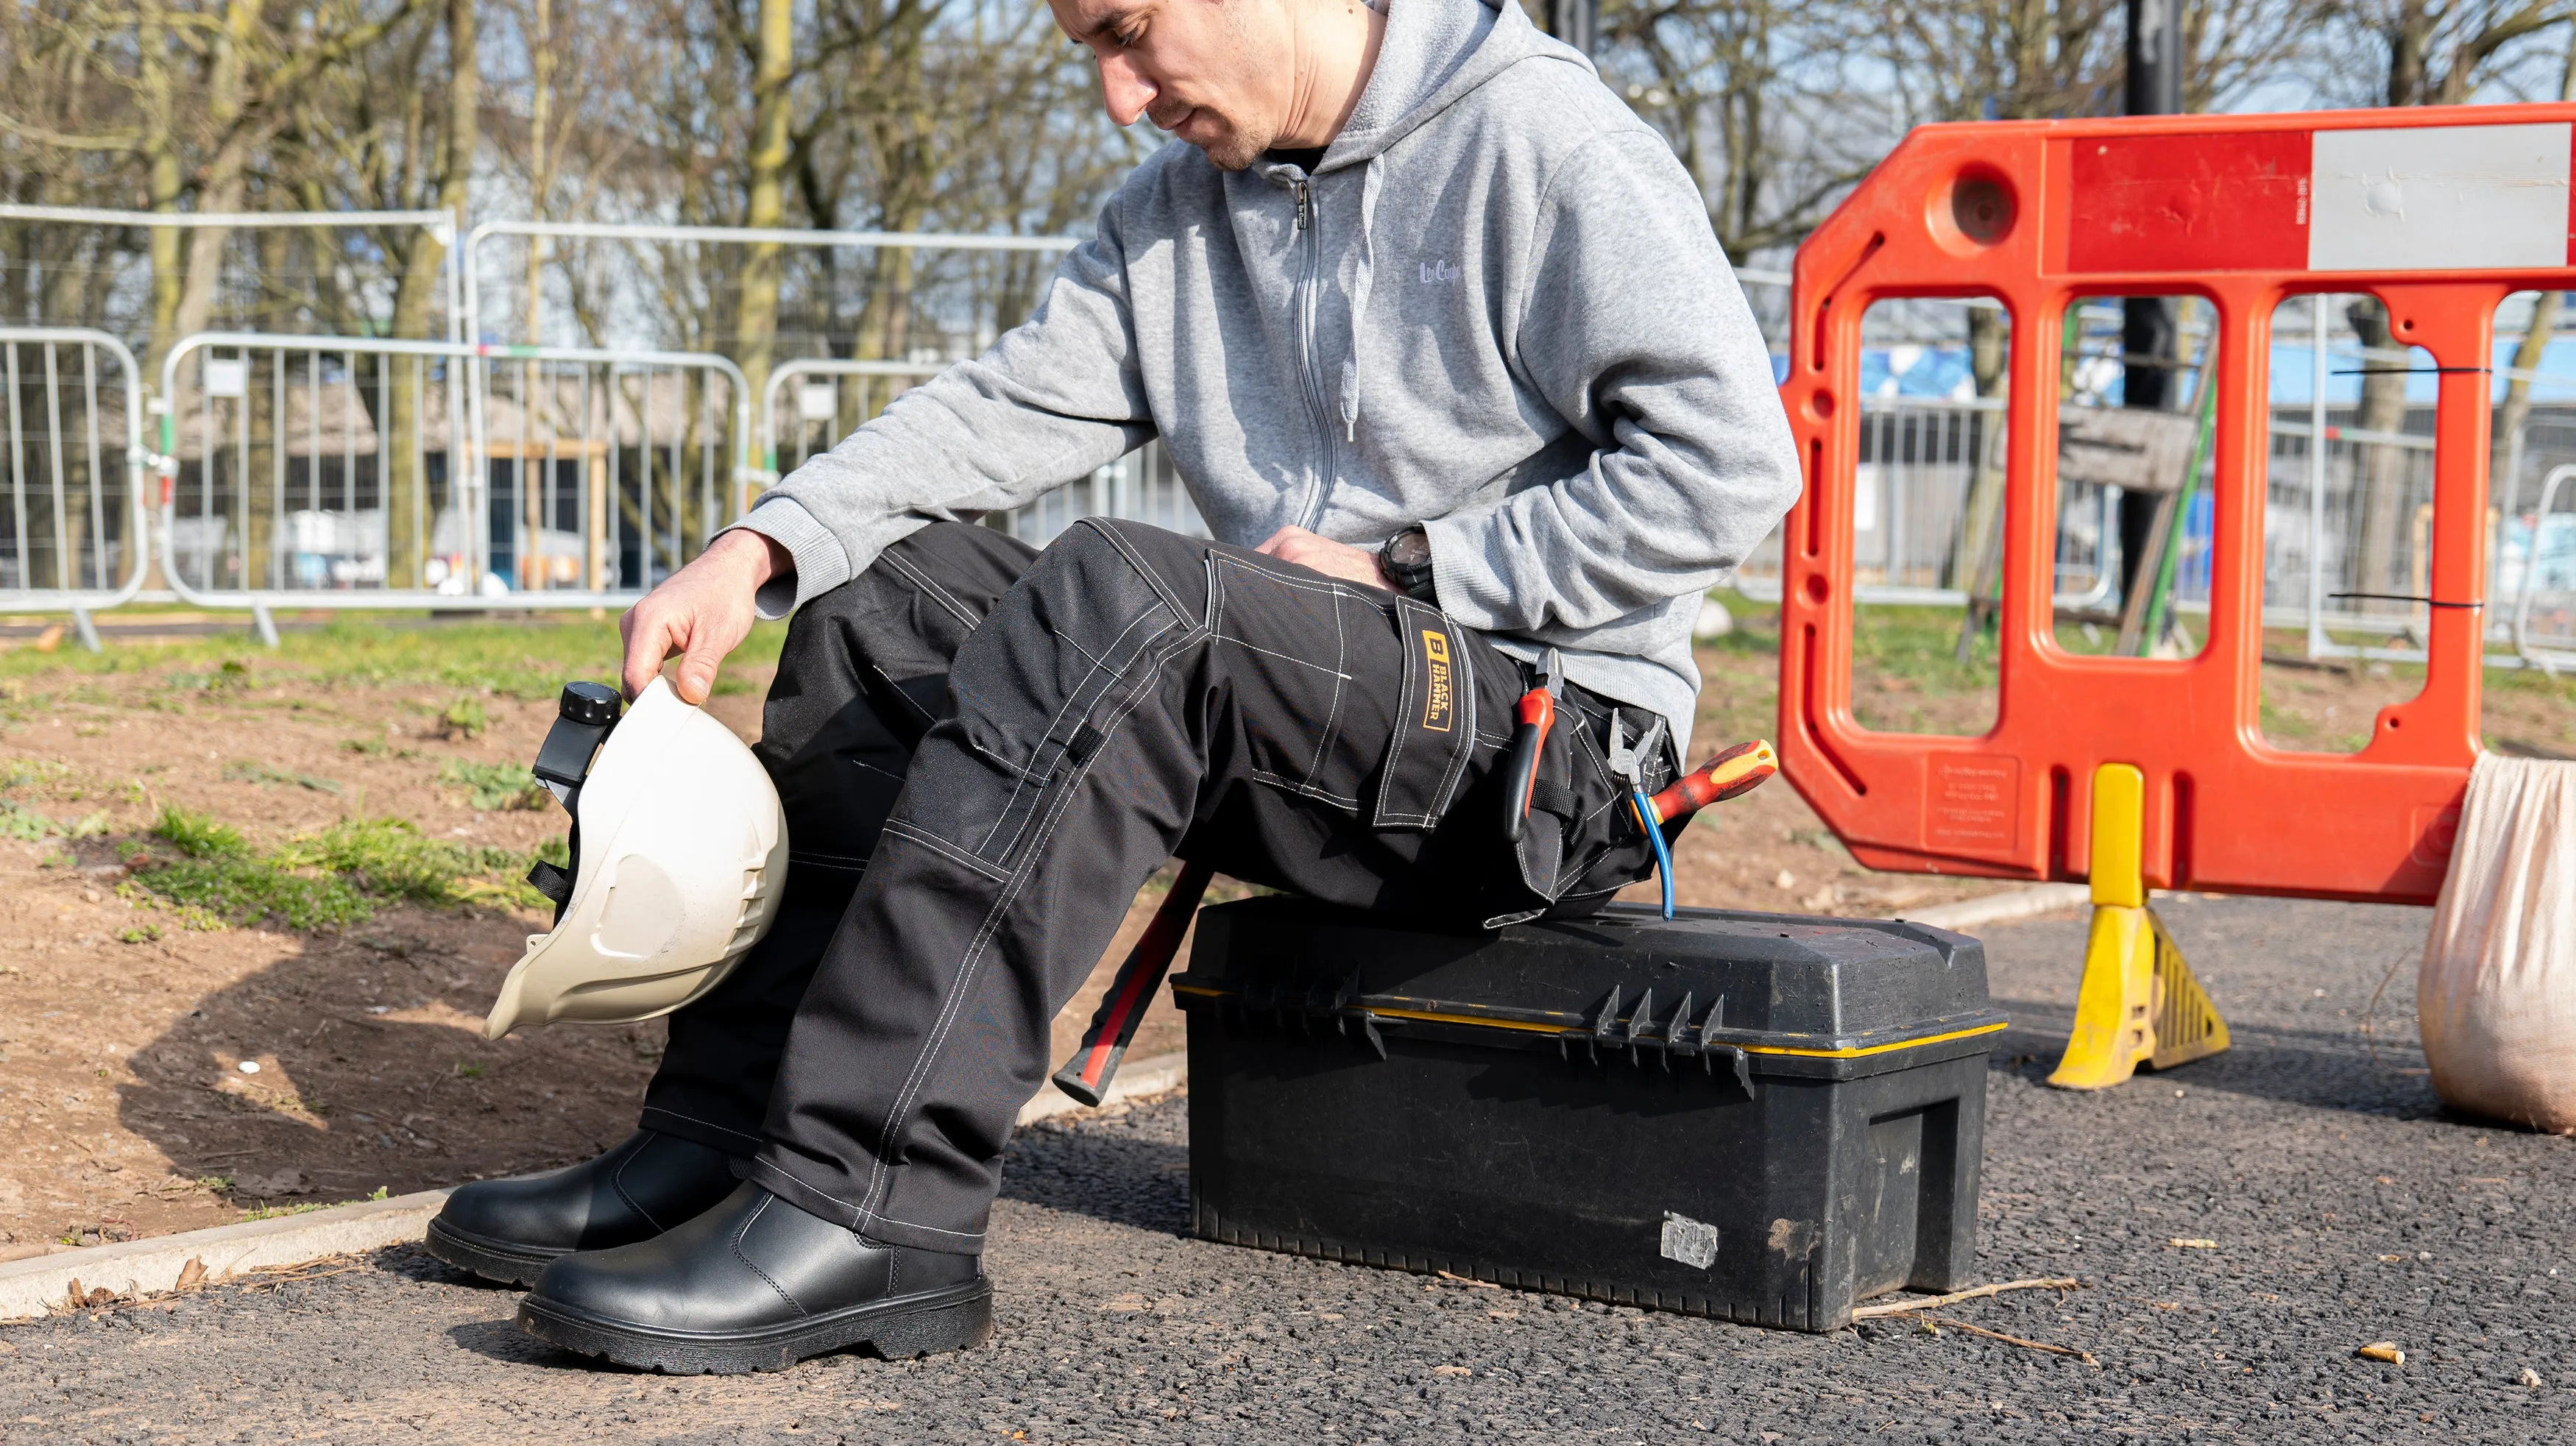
(954, 1319)
(499, 1261)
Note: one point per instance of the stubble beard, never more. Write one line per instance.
(1239, 143)
(1234, 149)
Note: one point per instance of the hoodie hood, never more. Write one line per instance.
(1432, 55)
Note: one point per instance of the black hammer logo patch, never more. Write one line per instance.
(1439, 697)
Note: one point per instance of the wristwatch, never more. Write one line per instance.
(1407, 560)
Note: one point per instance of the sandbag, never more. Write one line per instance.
(2496, 994)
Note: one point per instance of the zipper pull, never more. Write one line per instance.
(1301, 205)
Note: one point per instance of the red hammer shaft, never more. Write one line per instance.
(1086, 1076)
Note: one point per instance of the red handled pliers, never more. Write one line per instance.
(1531, 720)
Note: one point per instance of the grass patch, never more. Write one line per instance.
(212, 893)
(21, 822)
(232, 675)
(495, 786)
(197, 835)
(464, 718)
(267, 777)
(390, 859)
(529, 658)
(329, 879)
(271, 1212)
(19, 772)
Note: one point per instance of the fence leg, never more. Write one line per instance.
(2138, 1003)
(266, 625)
(88, 630)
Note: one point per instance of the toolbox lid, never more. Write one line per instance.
(1797, 994)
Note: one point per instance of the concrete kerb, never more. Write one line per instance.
(1969, 914)
(41, 1285)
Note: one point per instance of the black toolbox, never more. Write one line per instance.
(1758, 1117)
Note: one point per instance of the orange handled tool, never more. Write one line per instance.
(1086, 1076)
(1737, 771)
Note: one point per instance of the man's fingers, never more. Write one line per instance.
(648, 642)
(1275, 544)
(697, 677)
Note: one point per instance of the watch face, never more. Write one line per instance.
(1409, 548)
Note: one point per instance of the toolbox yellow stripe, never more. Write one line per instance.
(1433, 1017)
(1875, 1048)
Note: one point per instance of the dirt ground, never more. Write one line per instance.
(123, 1037)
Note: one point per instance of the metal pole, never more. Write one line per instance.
(1577, 22)
(2147, 323)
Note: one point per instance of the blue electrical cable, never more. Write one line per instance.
(1645, 808)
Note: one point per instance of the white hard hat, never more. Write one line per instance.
(680, 856)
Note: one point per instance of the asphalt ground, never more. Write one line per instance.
(2344, 1205)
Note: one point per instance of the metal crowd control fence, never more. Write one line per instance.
(813, 402)
(609, 468)
(2547, 581)
(535, 231)
(73, 536)
(347, 472)
(1919, 458)
(830, 396)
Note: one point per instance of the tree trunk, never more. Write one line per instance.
(2380, 478)
(756, 315)
(162, 189)
(540, 160)
(405, 455)
(2502, 454)
(1988, 354)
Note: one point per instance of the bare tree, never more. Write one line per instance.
(2427, 52)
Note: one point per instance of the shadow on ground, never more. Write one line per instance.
(372, 1071)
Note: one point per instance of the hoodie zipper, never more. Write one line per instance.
(1309, 288)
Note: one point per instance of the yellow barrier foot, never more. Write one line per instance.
(2138, 1003)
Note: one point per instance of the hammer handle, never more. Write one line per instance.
(1086, 1076)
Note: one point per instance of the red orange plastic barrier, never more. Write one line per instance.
(2439, 212)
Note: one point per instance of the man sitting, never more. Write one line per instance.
(1437, 332)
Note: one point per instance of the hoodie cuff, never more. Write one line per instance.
(822, 564)
(1469, 585)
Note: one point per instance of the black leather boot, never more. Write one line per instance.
(506, 1230)
(756, 1284)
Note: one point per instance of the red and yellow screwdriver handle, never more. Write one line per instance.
(1737, 771)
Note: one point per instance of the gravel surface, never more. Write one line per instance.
(2344, 1206)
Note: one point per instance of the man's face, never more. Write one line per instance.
(1216, 73)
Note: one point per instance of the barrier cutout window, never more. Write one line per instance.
(2135, 509)
(2348, 517)
(2531, 540)
(1927, 504)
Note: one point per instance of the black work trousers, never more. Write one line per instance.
(985, 751)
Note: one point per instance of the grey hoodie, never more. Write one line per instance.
(1495, 309)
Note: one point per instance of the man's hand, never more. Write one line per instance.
(703, 612)
(1332, 559)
